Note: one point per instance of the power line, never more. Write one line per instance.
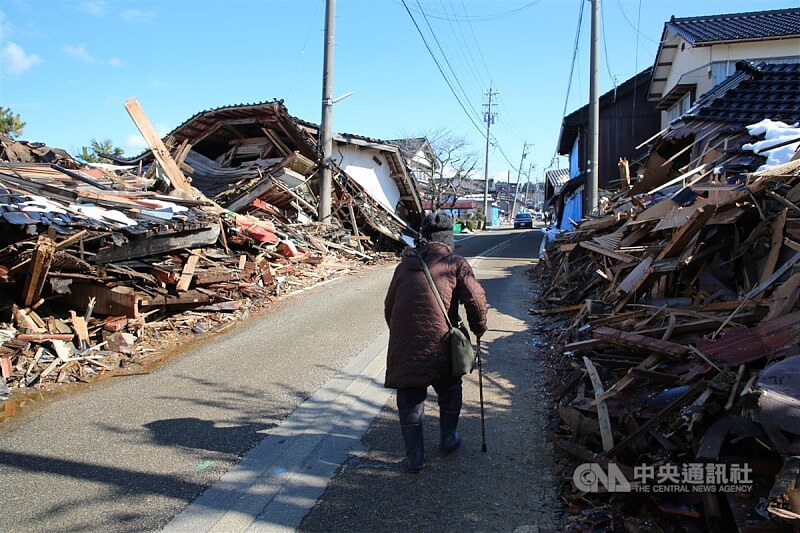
(571, 69)
(441, 50)
(479, 18)
(441, 71)
(636, 26)
(605, 46)
(491, 138)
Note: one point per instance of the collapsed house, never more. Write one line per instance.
(676, 313)
(216, 219)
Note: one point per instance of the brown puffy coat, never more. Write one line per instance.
(418, 333)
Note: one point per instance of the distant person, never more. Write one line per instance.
(419, 351)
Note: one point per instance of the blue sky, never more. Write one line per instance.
(69, 65)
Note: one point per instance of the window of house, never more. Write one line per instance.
(680, 107)
(720, 70)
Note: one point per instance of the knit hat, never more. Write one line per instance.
(438, 227)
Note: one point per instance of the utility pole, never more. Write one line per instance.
(488, 117)
(594, 111)
(326, 125)
(528, 182)
(519, 173)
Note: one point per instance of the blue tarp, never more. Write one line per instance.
(573, 210)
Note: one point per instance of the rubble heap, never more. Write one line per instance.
(103, 265)
(675, 315)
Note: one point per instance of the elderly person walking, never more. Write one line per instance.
(419, 348)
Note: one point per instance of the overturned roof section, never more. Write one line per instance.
(213, 132)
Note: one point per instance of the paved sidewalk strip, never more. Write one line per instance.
(275, 485)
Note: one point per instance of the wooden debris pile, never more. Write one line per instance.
(676, 320)
(101, 266)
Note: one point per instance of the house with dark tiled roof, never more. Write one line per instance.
(626, 119)
(712, 132)
(698, 53)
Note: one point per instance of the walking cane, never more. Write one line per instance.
(480, 388)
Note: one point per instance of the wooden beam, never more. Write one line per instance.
(37, 274)
(188, 271)
(640, 342)
(116, 301)
(159, 149)
(158, 244)
(778, 223)
(618, 256)
(606, 434)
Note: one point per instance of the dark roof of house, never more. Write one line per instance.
(573, 122)
(752, 25)
(753, 93)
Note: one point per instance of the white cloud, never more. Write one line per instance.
(156, 84)
(134, 144)
(15, 59)
(137, 15)
(115, 62)
(80, 53)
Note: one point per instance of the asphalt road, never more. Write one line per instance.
(509, 486)
(131, 453)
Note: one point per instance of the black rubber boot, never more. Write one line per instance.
(411, 408)
(450, 439)
(415, 447)
(449, 411)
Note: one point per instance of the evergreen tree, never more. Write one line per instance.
(10, 123)
(97, 150)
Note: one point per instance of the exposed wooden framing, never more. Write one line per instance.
(677, 179)
(187, 299)
(354, 224)
(652, 138)
(304, 204)
(758, 289)
(243, 201)
(282, 148)
(686, 232)
(651, 361)
(785, 297)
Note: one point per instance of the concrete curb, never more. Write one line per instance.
(275, 485)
